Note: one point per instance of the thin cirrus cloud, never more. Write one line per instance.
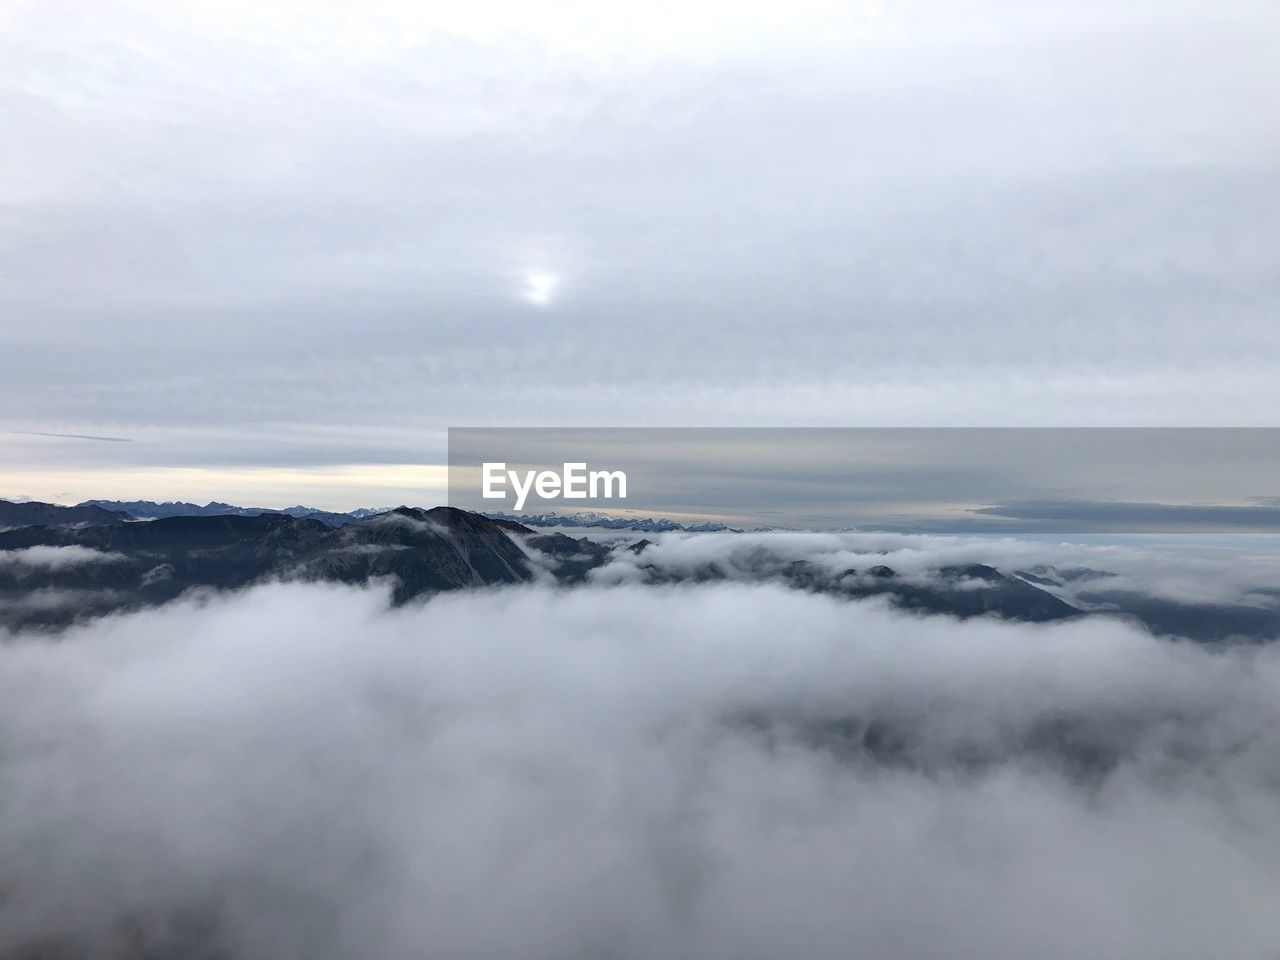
(73, 436)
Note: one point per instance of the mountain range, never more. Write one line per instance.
(604, 521)
(151, 510)
(60, 565)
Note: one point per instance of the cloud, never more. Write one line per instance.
(1187, 570)
(44, 601)
(392, 520)
(45, 558)
(1079, 515)
(74, 436)
(719, 771)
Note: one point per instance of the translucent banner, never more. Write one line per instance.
(989, 480)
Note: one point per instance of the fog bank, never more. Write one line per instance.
(703, 772)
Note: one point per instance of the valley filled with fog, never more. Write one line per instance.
(621, 769)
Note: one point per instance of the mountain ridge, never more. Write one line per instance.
(151, 509)
(117, 563)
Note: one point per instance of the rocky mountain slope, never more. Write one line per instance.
(70, 563)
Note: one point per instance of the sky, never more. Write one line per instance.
(272, 251)
(996, 480)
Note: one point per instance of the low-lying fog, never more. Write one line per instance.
(716, 771)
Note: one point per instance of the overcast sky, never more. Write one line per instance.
(276, 248)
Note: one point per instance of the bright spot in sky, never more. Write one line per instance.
(539, 288)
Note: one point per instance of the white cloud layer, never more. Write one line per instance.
(44, 558)
(1186, 570)
(711, 772)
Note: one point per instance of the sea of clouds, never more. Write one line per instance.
(715, 771)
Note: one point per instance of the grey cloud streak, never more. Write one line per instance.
(73, 436)
(1084, 515)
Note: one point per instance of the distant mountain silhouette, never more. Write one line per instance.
(30, 513)
(120, 564)
(605, 521)
(150, 510)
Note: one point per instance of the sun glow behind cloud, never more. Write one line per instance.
(540, 287)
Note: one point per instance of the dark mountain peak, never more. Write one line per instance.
(882, 572)
(512, 527)
(465, 522)
(404, 525)
(455, 514)
(415, 513)
(423, 551)
(973, 571)
(441, 516)
(34, 513)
